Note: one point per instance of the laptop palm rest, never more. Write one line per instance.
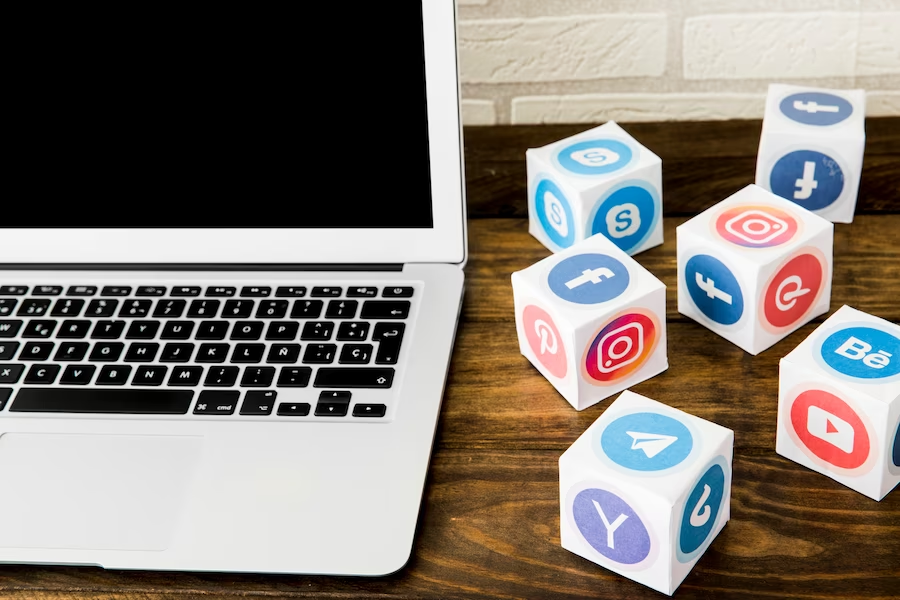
(104, 492)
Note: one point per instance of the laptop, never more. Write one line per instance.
(228, 296)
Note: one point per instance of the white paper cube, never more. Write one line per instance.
(839, 402)
(645, 490)
(754, 267)
(811, 148)
(599, 181)
(591, 320)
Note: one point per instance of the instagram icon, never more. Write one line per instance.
(621, 347)
(756, 226)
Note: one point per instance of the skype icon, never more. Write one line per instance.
(627, 215)
(554, 213)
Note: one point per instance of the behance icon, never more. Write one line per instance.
(861, 352)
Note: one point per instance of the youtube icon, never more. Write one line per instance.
(830, 429)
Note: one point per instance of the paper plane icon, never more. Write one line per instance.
(651, 443)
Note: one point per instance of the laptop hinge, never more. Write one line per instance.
(199, 267)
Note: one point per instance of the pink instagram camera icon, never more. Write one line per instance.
(620, 347)
(756, 226)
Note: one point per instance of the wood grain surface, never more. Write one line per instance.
(489, 523)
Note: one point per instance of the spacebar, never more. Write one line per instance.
(116, 401)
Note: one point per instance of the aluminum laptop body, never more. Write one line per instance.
(117, 458)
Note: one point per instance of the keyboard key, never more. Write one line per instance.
(258, 376)
(36, 351)
(11, 373)
(317, 330)
(385, 309)
(389, 337)
(5, 393)
(258, 402)
(39, 329)
(256, 292)
(151, 376)
(319, 354)
(188, 376)
(177, 330)
(169, 309)
(203, 309)
(217, 402)
(114, 375)
(212, 330)
(247, 330)
(284, 331)
(290, 292)
(136, 308)
(362, 292)
(272, 309)
(333, 404)
(8, 350)
(287, 377)
(13, 290)
(42, 374)
(106, 351)
(150, 290)
(355, 354)
(293, 409)
(78, 375)
(369, 410)
(220, 292)
(221, 376)
(75, 330)
(238, 309)
(354, 377)
(341, 309)
(34, 307)
(82, 290)
(66, 307)
(397, 292)
(10, 328)
(7, 305)
(307, 309)
(141, 352)
(212, 353)
(283, 353)
(388, 331)
(248, 353)
(326, 292)
(71, 351)
(115, 290)
(47, 290)
(112, 401)
(101, 308)
(108, 330)
(177, 353)
(185, 291)
(142, 330)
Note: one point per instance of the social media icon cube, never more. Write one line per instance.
(754, 267)
(591, 320)
(599, 181)
(839, 402)
(811, 149)
(645, 490)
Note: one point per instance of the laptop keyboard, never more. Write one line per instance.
(225, 352)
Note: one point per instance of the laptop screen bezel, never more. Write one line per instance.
(443, 243)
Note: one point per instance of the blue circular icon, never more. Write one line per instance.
(627, 215)
(816, 108)
(714, 289)
(808, 178)
(611, 526)
(554, 213)
(588, 278)
(862, 353)
(594, 157)
(701, 511)
(896, 454)
(646, 441)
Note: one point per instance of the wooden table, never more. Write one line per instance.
(489, 525)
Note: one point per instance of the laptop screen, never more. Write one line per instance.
(216, 128)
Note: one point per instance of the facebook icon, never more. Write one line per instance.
(809, 178)
(816, 108)
(588, 278)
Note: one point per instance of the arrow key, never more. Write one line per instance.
(369, 410)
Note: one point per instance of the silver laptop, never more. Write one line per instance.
(205, 370)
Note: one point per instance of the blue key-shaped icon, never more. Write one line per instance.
(807, 177)
(816, 108)
(588, 278)
(554, 213)
(701, 510)
(714, 289)
(646, 442)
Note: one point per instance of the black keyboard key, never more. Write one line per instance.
(34, 307)
(36, 351)
(319, 354)
(181, 291)
(10, 328)
(247, 330)
(13, 290)
(42, 374)
(258, 376)
(217, 402)
(290, 292)
(203, 309)
(47, 290)
(39, 329)
(354, 377)
(71, 351)
(78, 375)
(212, 330)
(317, 331)
(307, 309)
(212, 353)
(8, 350)
(341, 309)
(238, 309)
(187, 376)
(114, 375)
(290, 377)
(248, 353)
(293, 409)
(142, 330)
(389, 337)
(11, 373)
(385, 309)
(5, 393)
(220, 292)
(272, 309)
(326, 292)
(150, 375)
(136, 309)
(101, 308)
(221, 376)
(142, 352)
(283, 331)
(388, 353)
(130, 401)
(106, 351)
(150, 290)
(284, 353)
(256, 292)
(169, 309)
(74, 330)
(7, 305)
(388, 331)
(362, 292)
(177, 353)
(355, 354)
(333, 404)
(115, 290)
(369, 410)
(258, 402)
(66, 307)
(108, 330)
(82, 290)
(397, 292)
(177, 330)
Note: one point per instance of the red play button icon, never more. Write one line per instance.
(830, 429)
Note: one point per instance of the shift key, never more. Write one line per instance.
(348, 377)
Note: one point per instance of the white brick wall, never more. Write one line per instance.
(534, 61)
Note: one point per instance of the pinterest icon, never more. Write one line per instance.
(544, 339)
